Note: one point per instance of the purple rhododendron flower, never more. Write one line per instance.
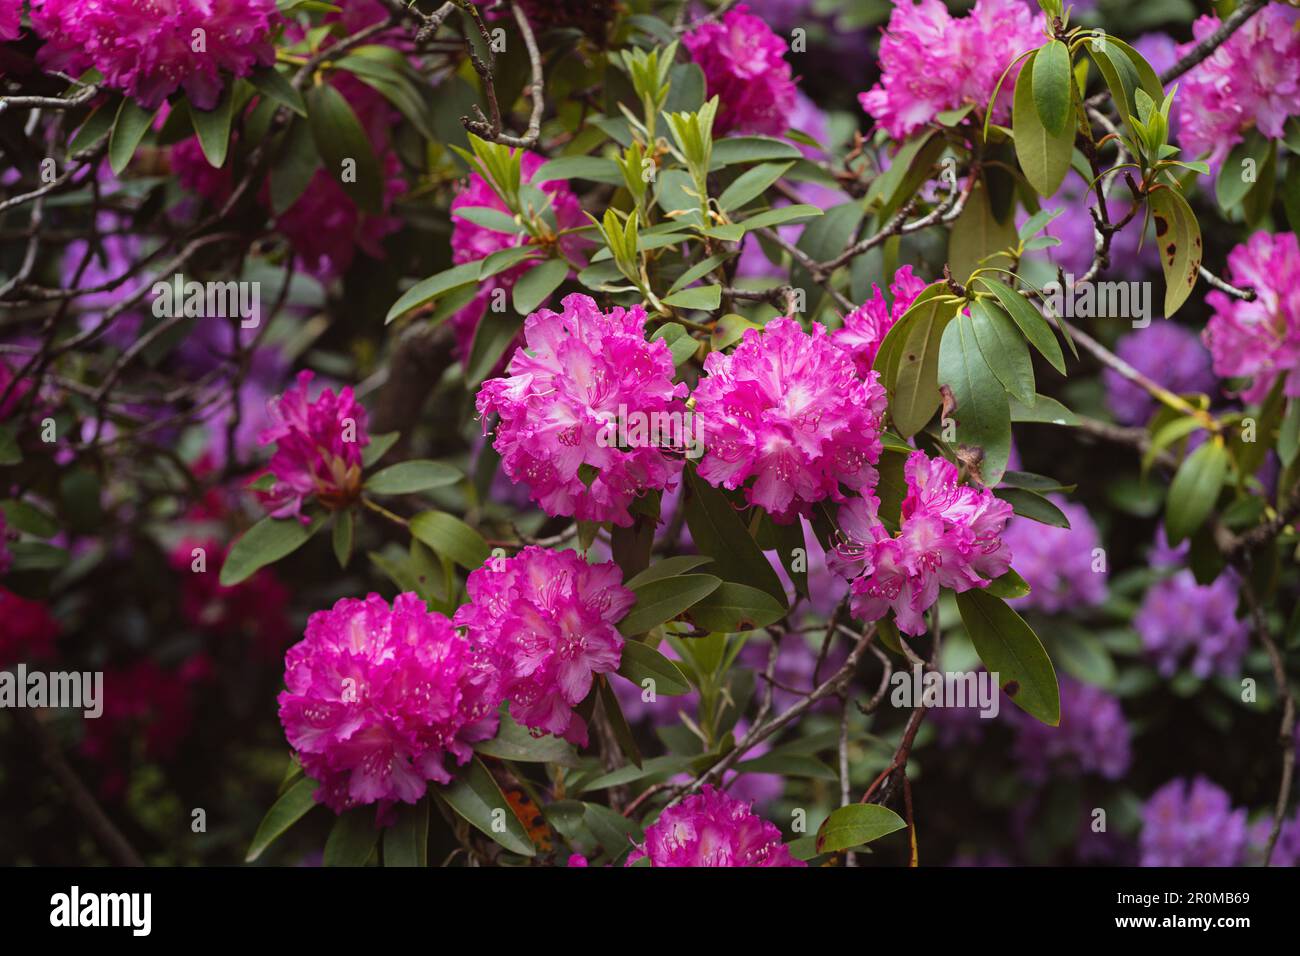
(712, 829)
(1252, 80)
(1168, 354)
(1192, 826)
(931, 61)
(547, 620)
(950, 536)
(866, 326)
(1092, 737)
(150, 48)
(1180, 618)
(379, 696)
(588, 392)
(1259, 340)
(788, 409)
(1057, 563)
(317, 449)
(744, 66)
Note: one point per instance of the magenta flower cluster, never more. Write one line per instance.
(585, 377)
(950, 536)
(744, 66)
(547, 620)
(788, 408)
(931, 61)
(151, 48)
(712, 829)
(1252, 80)
(1259, 340)
(866, 326)
(318, 445)
(379, 697)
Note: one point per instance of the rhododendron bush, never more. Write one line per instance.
(649, 433)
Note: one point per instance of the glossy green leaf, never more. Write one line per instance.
(284, 813)
(1010, 649)
(718, 532)
(474, 795)
(1030, 322)
(265, 543)
(1003, 348)
(132, 122)
(451, 538)
(736, 607)
(1044, 155)
(536, 285)
(1178, 237)
(1194, 490)
(409, 477)
(663, 599)
(406, 842)
(641, 662)
(983, 415)
(856, 824)
(353, 838)
(1053, 87)
(346, 148)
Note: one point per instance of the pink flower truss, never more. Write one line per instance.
(789, 409)
(1251, 80)
(471, 242)
(378, 697)
(11, 15)
(1259, 340)
(712, 829)
(256, 609)
(744, 66)
(29, 629)
(147, 47)
(583, 368)
(547, 620)
(931, 61)
(866, 326)
(950, 536)
(317, 449)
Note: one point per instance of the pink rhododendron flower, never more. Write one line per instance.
(949, 536)
(1251, 80)
(378, 697)
(744, 66)
(547, 620)
(712, 829)
(564, 400)
(788, 408)
(866, 326)
(932, 61)
(11, 15)
(149, 48)
(1259, 340)
(471, 242)
(28, 630)
(317, 449)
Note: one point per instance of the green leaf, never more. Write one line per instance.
(96, 126)
(856, 824)
(1194, 490)
(295, 165)
(733, 608)
(1030, 504)
(1178, 237)
(213, 128)
(491, 339)
(409, 477)
(1231, 186)
(663, 599)
(598, 169)
(1052, 86)
(914, 385)
(719, 532)
(378, 447)
(617, 722)
(406, 842)
(426, 290)
(1003, 348)
(477, 798)
(10, 453)
(265, 543)
(536, 285)
(1010, 585)
(1288, 433)
(751, 184)
(1044, 411)
(1011, 650)
(982, 414)
(517, 743)
(353, 838)
(706, 297)
(667, 568)
(344, 526)
(640, 661)
(345, 147)
(284, 813)
(132, 122)
(1030, 322)
(782, 215)
(977, 235)
(29, 519)
(451, 538)
(271, 83)
(1044, 155)
(751, 149)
